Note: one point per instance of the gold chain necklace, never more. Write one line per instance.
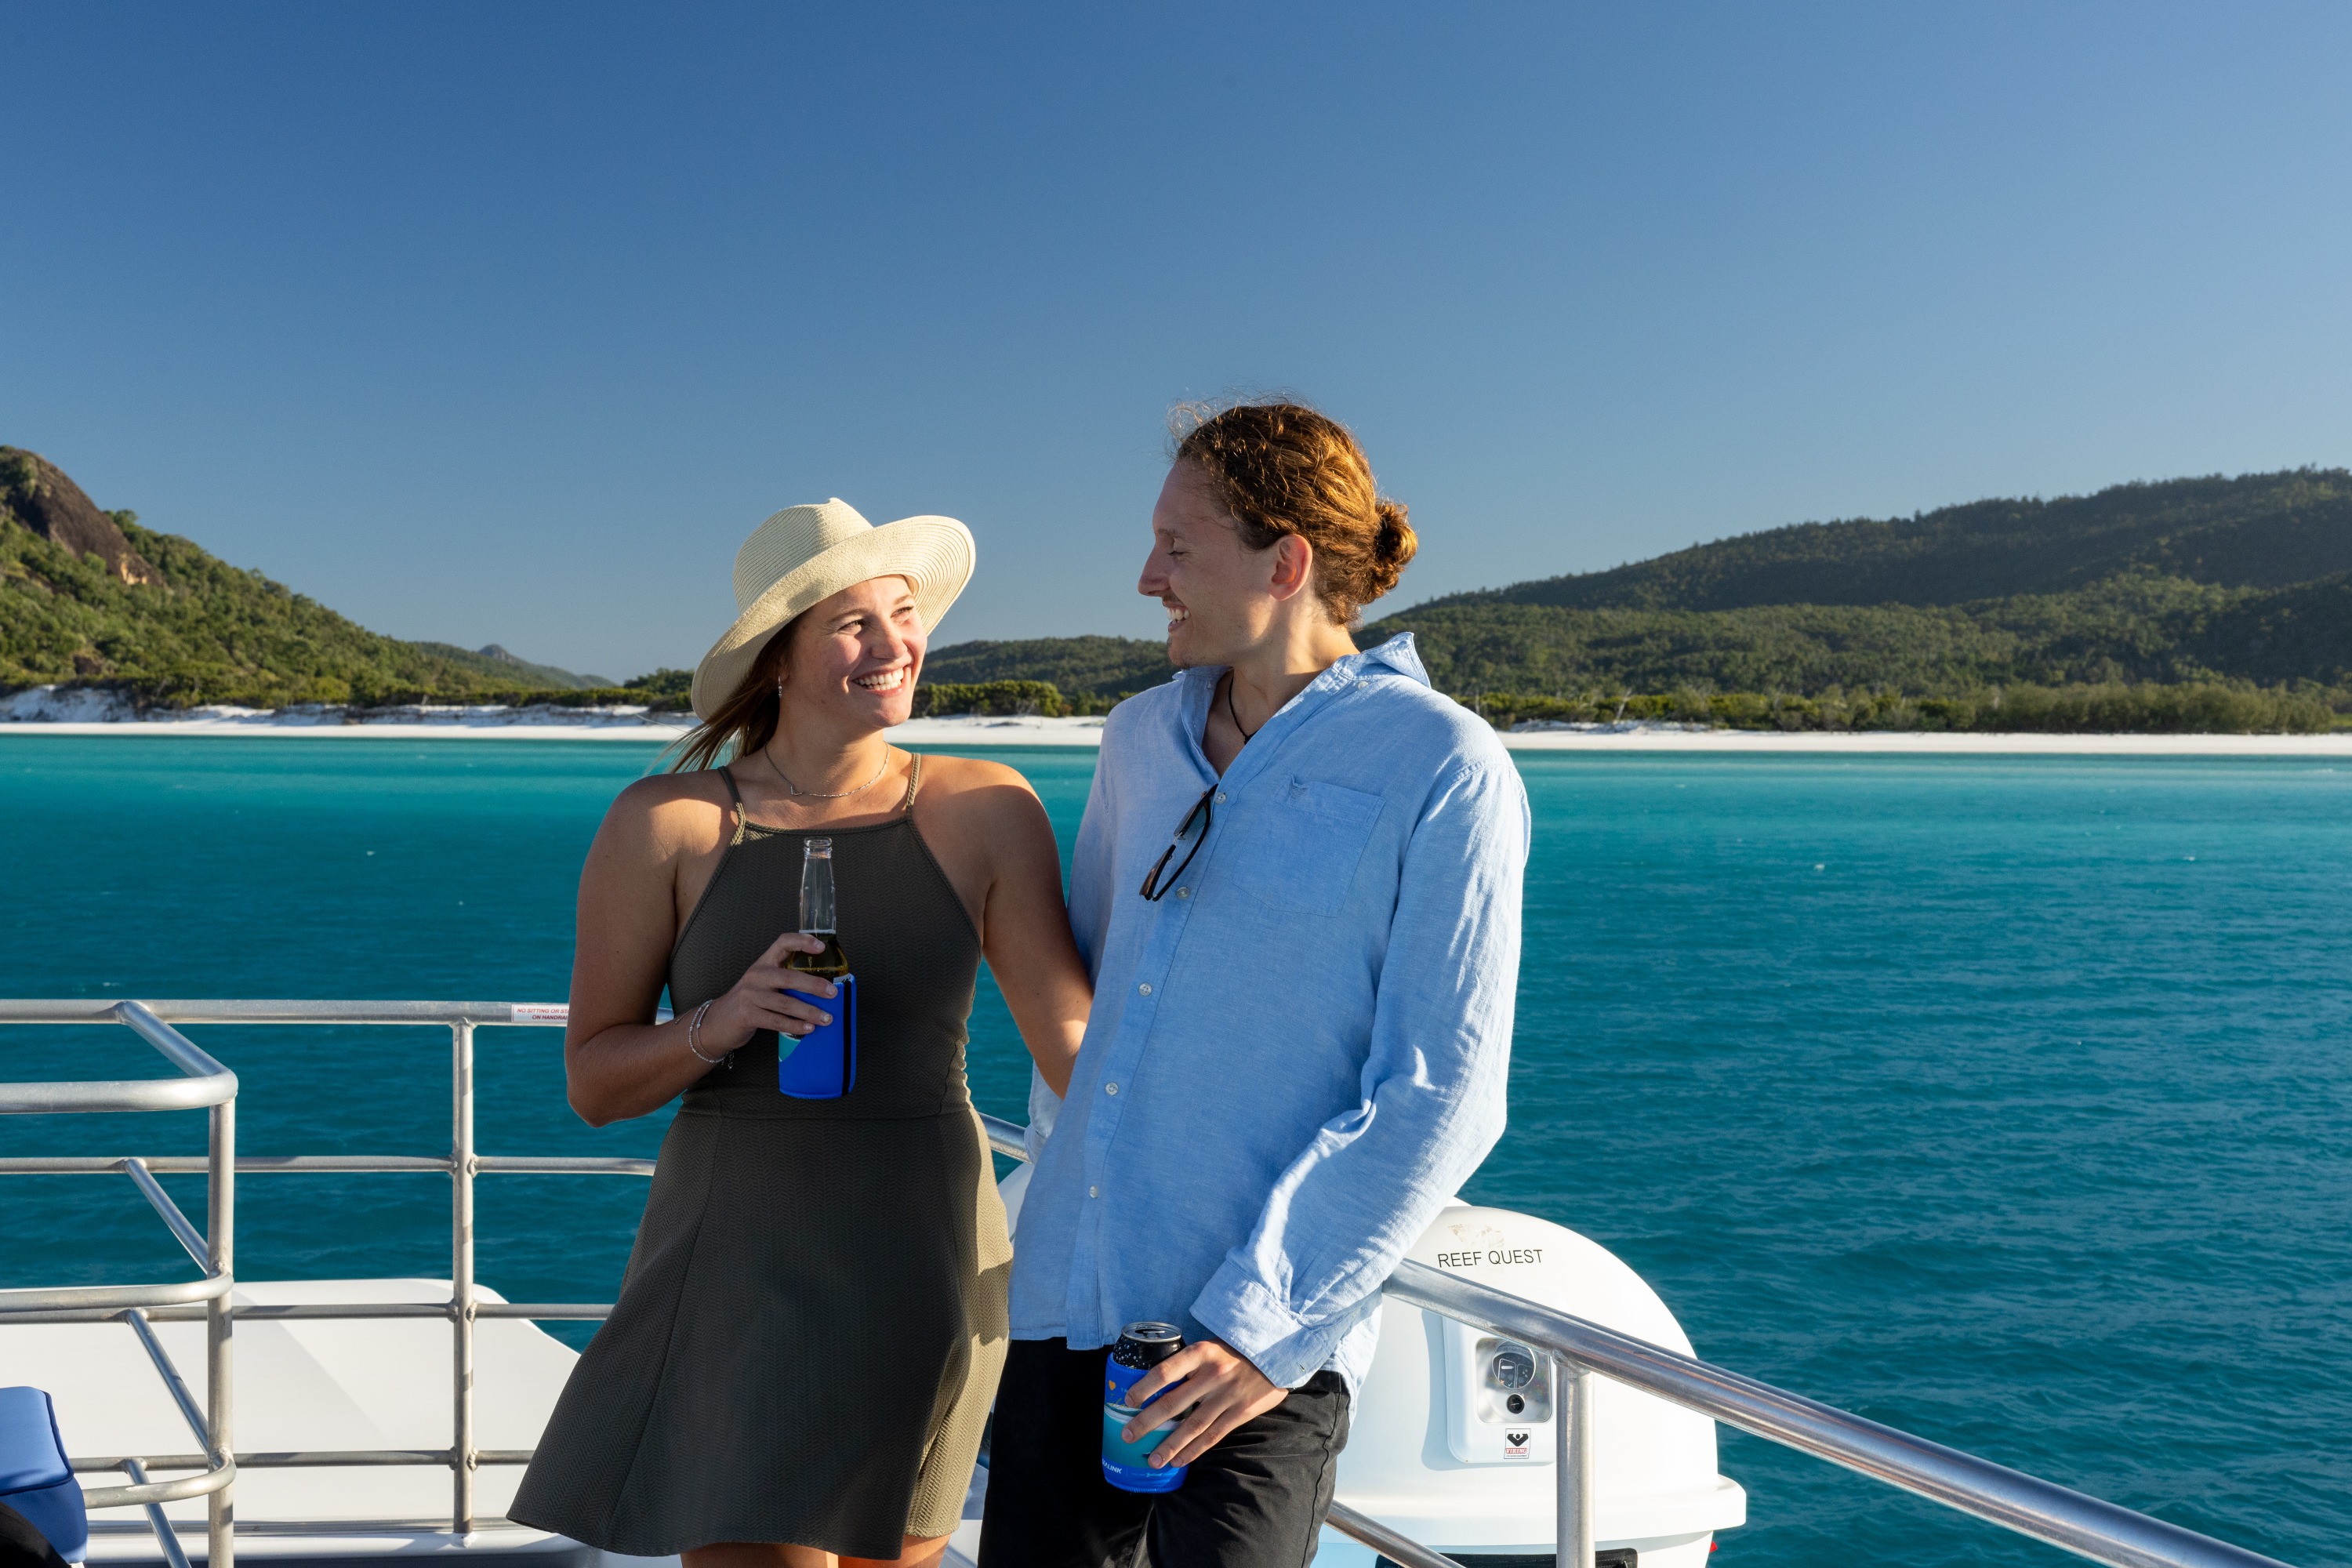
(820, 795)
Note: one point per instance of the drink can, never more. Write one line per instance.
(1127, 1466)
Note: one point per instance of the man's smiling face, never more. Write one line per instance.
(1216, 589)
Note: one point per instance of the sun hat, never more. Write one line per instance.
(805, 555)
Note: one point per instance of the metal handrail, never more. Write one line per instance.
(1579, 1350)
(156, 1521)
(202, 1081)
(2088, 1526)
(209, 1296)
(206, 1084)
(2084, 1525)
(80, 1010)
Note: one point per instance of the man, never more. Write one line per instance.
(1298, 889)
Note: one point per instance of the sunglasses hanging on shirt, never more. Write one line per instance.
(1155, 887)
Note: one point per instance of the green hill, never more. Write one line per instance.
(1091, 667)
(89, 595)
(2260, 530)
(511, 669)
(2243, 583)
(2134, 628)
(2228, 594)
(2196, 603)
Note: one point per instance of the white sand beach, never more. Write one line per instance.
(46, 711)
(980, 731)
(408, 724)
(1921, 742)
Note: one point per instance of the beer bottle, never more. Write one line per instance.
(816, 913)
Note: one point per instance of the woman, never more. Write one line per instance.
(809, 1335)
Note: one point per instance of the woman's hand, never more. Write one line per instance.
(769, 996)
(617, 1061)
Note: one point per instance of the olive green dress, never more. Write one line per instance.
(809, 1334)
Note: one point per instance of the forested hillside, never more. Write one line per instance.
(512, 669)
(2213, 602)
(2245, 581)
(2241, 585)
(2134, 628)
(2259, 530)
(1086, 668)
(89, 595)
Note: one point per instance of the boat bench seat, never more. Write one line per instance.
(35, 1478)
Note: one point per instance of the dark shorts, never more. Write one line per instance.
(1254, 1501)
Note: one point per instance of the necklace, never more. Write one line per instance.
(1247, 735)
(835, 795)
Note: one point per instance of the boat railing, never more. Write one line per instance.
(1579, 1351)
(203, 1083)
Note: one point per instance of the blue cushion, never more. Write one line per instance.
(35, 1479)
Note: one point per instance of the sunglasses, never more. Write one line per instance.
(1156, 886)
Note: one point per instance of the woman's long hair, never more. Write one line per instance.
(747, 720)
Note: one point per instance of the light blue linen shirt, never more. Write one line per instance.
(1299, 1054)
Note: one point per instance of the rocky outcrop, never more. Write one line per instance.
(66, 705)
(39, 495)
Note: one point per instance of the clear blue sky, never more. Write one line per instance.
(507, 322)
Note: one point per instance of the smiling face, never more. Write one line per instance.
(855, 655)
(1222, 596)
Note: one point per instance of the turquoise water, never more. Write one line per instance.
(2008, 1101)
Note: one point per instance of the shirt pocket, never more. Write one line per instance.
(1300, 852)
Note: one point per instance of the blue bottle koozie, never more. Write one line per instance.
(1125, 1464)
(823, 1064)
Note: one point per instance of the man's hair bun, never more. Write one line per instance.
(1394, 544)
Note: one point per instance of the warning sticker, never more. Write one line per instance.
(538, 1013)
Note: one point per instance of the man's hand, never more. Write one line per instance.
(1221, 1391)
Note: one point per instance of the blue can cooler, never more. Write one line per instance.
(1125, 1464)
(823, 1064)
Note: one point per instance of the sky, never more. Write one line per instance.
(508, 322)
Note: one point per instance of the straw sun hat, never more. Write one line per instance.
(805, 555)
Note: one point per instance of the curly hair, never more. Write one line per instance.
(1282, 468)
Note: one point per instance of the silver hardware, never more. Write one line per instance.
(1572, 1466)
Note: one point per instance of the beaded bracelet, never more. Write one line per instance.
(693, 1027)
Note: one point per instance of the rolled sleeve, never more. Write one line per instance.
(1257, 1324)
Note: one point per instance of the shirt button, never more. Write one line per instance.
(1221, 798)
(1093, 1192)
(1184, 892)
(1145, 988)
(1110, 1088)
